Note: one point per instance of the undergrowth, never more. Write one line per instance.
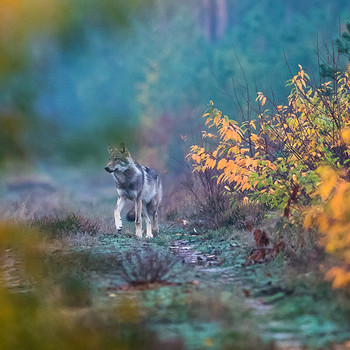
(146, 265)
(69, 225)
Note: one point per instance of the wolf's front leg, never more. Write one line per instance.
(138, 218)
(117, 211)
(148, 221)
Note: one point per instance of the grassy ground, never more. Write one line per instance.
(85, 287)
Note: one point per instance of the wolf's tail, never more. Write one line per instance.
(130, 216)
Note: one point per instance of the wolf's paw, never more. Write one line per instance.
(155, 232)
(119, 230)
(138, 233)
(149, 236)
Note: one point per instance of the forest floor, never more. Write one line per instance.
(208, 297)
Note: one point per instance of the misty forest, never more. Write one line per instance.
(225, 220)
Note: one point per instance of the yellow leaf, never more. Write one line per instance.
(246, 186)
(252, 123)
(340, 277)
(255, 163)
(345, 133)
(329, 179)
(339, 201)
(254, 137)
(311, 215)
(222, 163)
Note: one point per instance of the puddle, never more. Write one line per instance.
(189, 256)
(12, 272)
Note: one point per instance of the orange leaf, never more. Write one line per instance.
(222, 163)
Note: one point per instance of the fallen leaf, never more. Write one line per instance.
(261, 238)
(246, 292)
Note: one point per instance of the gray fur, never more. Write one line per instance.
(137, 183)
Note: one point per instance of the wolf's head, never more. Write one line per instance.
(119, 159)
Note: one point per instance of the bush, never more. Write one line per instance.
(211, 203)
(332, 219)
(146, 265)
(71, 224)
(274, 158)
(243, 212)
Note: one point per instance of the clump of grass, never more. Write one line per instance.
(215, 207)
(303, 250)
(146, 265)
(210, 205)
(241, 213)
(71, 224)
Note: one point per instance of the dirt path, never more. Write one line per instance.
(209, 266)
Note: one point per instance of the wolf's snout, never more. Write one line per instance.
(107, 168)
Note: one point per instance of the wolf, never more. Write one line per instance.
(138, 183)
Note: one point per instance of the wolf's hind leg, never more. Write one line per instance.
(117, 216)
(155, 226)
(138, 218)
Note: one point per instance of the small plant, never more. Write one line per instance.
(146, 265)
(72, 224)
(243, 211)
(211, 201)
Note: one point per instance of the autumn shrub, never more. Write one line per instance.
(146, 265)
(273, 159)
(291, 157)
(331, 216)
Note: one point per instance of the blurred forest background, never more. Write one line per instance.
(76, 75)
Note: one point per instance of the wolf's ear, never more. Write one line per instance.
(110, 149)
(124, 150)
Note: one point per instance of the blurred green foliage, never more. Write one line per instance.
(29, 32)
(77, 75)
(51, 312)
